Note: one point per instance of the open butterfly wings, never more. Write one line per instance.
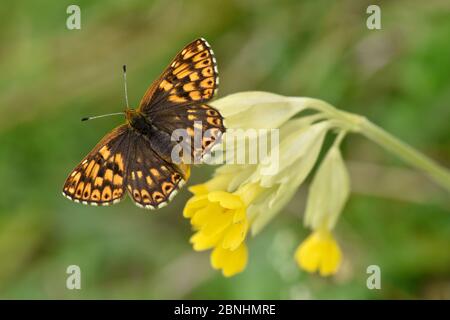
(126, 160)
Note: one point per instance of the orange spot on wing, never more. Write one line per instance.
(184, 73)
(200, 56)
(189, 86)
(95, 195)
(207, 83)
(109, 175)
(94, 171)
(145, 196)
(87, 191)
(98, 181)
(106, 194)
(195, 95)
(118, 180)
(180, 68)
(105, 152)
(154, 172)
(158, 197)
(203, 63)
(194, 76)
(177, 99)
(80, 188)
(167, 187)
(119, 161)
(117, 193)
(207, 72)
(166, 85)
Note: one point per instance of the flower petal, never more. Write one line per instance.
(226, 199)
(331, 182)
(235, 235)
(201, 242)
(204, 215)
(319, 252)
(231, 262)
(193, 204)
(217, 223)
(198, 189)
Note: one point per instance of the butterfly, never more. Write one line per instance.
(136, 157)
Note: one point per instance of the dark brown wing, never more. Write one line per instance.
(192, 77)
(152, 181)
(177, 100)
(197, 120)
(99, 179)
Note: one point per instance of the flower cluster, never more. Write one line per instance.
(245, 197)
(220, 221)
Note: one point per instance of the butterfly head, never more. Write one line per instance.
(130, 114)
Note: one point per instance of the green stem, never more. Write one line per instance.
(356, 123)
(411, 156)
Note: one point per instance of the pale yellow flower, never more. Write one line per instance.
(328, 193)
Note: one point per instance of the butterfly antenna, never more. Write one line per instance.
(125, 83)
(101, 116)
(124, 67)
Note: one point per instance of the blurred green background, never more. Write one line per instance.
(50, 77)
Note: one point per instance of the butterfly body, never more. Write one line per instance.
(136, 157)
(138, 122)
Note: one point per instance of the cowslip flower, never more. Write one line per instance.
(245, 197)
(219, 219)
(320, 251)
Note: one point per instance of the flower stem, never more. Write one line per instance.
(356, 123)
(411, 156)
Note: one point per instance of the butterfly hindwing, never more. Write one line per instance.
(152, 181)
(200, 119)
(192, 77)
(99, 178)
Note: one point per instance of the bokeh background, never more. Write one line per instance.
(50, 77)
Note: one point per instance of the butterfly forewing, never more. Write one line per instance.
(192, 77)
(177, 100)
(99, 178)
